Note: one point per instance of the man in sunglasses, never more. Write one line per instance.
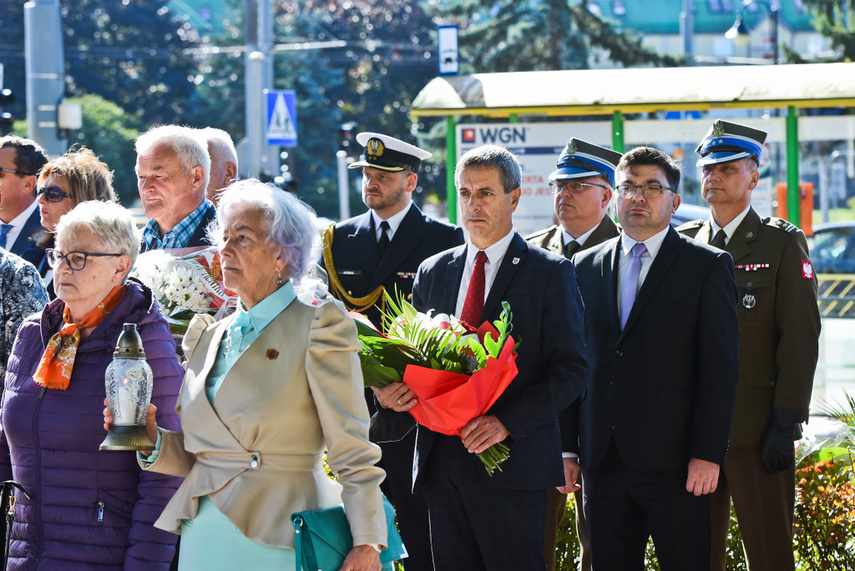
(20, 162)
(582, 185)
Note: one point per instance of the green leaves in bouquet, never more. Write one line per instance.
(492, 347)
(408, 341)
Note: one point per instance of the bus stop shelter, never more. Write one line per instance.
(616, 92)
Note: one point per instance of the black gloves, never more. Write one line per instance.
(776, 449)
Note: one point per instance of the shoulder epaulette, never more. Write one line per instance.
(539, 233)
(780, 223)
(693, 224)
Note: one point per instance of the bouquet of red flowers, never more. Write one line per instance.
(456, 371)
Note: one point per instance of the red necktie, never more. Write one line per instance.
(474, 304)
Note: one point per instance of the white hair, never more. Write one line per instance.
(221, 144)
(290, 221)
(110, 222)
(190, 148)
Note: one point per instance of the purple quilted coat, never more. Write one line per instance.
(89, 509)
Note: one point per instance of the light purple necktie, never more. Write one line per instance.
(630, 283)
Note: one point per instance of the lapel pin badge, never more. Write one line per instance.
(515, 261)
(272, 354)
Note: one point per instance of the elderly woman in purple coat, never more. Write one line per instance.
(87, 509)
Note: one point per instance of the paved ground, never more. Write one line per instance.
(835, 373)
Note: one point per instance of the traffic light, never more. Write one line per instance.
(347, 140)
(6, 119)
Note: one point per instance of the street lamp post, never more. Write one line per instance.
(740, 28)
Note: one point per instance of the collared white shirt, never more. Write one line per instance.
(730, 227)
(654, 244)
(581, 239)
(18, 225)
(495, 255)
(394, 222)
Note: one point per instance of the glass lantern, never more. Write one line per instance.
(128, 381)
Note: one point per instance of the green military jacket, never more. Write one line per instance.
(779, 321)
(552, 238)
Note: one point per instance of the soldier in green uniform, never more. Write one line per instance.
(779, 328)
(582, 184)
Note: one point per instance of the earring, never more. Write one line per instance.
(279, 279)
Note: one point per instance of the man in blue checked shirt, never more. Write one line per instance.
(173, 169)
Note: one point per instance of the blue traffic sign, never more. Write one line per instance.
(282, 118)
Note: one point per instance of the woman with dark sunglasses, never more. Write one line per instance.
(63, 183)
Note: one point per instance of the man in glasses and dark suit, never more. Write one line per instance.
(20, 162)
(582, 184)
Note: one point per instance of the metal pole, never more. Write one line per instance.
(793, 202)
(255, 111)
(45, 71)
(343, 186)
(450, 163)
(249, 167)
(269, 153)
(687, 30)
(773, 12)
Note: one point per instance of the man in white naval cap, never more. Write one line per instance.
(380, 251)
(582, 184)
(779, 329)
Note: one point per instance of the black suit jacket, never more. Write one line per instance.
(25, 245)
(357, 262)
(357, 259)
(200, 236)
(547, 321)
(665, 385)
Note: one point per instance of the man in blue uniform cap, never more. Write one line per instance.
(778, 347)
(582, 184)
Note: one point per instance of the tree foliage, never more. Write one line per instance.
(505, 35)
(110, 132)
(835, 19)
(131, 53)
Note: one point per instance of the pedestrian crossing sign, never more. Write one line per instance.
(282, 118)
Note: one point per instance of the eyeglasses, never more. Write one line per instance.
(52, 193)
(572, 186)
(647, 190)
(21, 173)
(76, 260)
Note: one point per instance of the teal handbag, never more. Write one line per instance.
(323, 539)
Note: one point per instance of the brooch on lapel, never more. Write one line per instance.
(272, 354)
(515, 261)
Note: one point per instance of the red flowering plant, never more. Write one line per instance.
(456, 371)
(824, 530)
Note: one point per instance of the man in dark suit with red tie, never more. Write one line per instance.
(378, 252)
(478, 521)
(662, 340)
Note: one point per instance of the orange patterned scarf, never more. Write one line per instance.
(54, 370)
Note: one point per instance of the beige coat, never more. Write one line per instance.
(257, 451)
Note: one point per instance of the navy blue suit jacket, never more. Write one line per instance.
(547, 321)
(357, 258)
(25, 245)
(665, 385)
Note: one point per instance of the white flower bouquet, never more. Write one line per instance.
(185, 282)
